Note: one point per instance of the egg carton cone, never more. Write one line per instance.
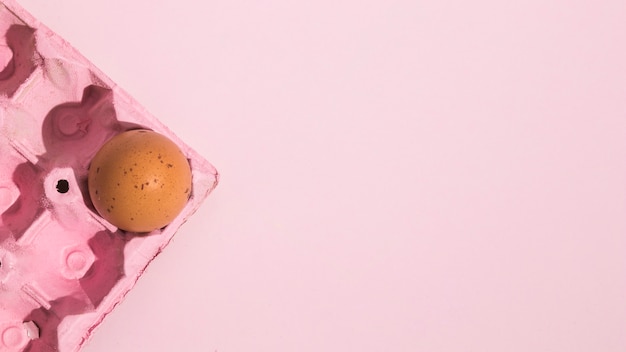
(63, 267)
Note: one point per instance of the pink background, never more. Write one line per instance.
(396, 175)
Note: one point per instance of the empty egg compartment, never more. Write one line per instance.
(62, 266)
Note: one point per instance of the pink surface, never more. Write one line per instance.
(396, 175)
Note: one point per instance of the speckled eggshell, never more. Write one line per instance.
(139, 181)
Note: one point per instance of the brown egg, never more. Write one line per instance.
(139, 181)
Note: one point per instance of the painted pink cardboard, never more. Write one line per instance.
(62, 266)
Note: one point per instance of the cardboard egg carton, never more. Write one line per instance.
(62, 266)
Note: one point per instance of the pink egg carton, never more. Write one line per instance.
(62, 266)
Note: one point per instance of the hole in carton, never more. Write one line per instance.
(63, 186)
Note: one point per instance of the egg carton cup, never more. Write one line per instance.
(63, 268)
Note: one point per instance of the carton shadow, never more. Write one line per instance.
(21, 41)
